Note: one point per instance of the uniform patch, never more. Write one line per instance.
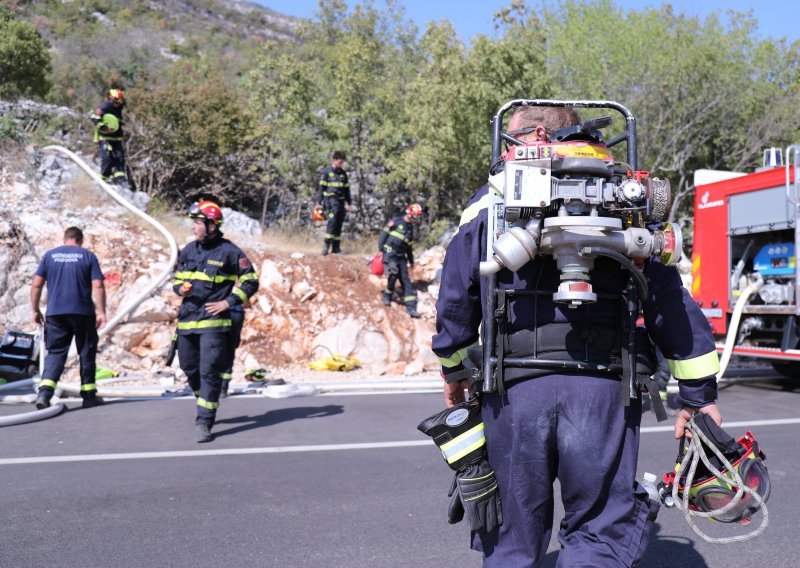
(457, 417)
(215, 262)
(244, 263)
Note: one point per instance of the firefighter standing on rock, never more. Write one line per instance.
(398, 254)
(212, 276)
(333, 196)
(107, 119)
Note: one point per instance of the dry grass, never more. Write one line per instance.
(83, 192)
(309, 241)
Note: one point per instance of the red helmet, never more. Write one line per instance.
(116, 95)
(317, 214)
(414, 209)
(207, 210)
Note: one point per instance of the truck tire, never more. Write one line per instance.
(790, 370)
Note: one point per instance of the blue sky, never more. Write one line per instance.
(777, 18)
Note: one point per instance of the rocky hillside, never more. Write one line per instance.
(308, 304)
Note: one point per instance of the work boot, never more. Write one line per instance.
(92, 402)
(226, 383)
(43, 399)
(325, 250)
(203, 433)
(386, 299)
(336, 249)
(412, 311)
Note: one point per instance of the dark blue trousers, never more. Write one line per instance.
(58, 334)
(234, 338)
(203, 357)
(573, 428)
(335, 212)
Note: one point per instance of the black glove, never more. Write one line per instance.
(474, 489)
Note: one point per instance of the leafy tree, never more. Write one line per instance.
(706, 93)
(24, 60)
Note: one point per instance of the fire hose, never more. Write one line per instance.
(733, 328)
(121, 313)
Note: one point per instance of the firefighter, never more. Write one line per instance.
(76, 308)
(212, 275)
(108, 122)
(333, 195)
(570, 425)
(398, 256)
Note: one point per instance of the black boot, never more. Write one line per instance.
(226, 383)
(325, 248)
(412, 310)
(386, 299)
(43, 399)
(336, 248)
(203, 433)
(92, 402)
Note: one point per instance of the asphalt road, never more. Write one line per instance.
(325, 481)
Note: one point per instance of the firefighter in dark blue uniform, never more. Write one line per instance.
(76, 308)
(333, 195)
(212, 275)
(398, 255)
(566, 425)
(108, 122)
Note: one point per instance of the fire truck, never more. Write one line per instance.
(744, 270)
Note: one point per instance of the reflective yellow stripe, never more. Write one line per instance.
(473, 210)
(219, 278)
(464, 444)
(491, 489)
(240, 294)
(89, 387)
(206, 404)
(248, 276)
(397, 235)
(225, 376)
(335, 183)
(204, 324)
(695, 368)
(47, 383)
(454, 359)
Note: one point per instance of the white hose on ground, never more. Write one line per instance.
(14, 385)
(32, 416)
(733, 328)
(156, 282)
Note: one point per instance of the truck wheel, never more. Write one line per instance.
(790, 370)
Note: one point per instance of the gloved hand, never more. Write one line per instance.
(474, 490)
(105, 129)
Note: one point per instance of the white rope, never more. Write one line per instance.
(695, 453)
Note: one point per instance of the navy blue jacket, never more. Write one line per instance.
(108, 108)
(333, 183)
(396, 238)
(672, 317)
(218, 270)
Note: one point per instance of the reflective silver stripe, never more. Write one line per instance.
(464, 444)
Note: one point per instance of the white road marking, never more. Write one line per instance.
(311, 448)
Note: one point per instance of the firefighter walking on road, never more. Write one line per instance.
(212, 276)
(333, 195)
(398, 255)
(107, 119)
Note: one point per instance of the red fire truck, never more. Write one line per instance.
(744, 271)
